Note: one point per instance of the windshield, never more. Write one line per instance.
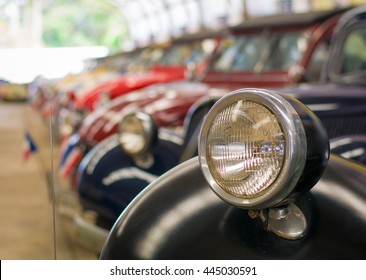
(286, 50)
(144, 59)
(354, 52)
(182, 54)
(262, 51)
(239, 53)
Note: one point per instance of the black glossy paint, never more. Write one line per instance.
(179, 217)
(110, 179)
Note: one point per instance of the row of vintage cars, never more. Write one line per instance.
(171, 166)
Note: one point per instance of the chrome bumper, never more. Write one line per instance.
(89, 234)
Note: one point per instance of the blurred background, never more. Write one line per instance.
(54, 37)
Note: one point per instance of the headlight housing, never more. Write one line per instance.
(256, 146)
(137, 133)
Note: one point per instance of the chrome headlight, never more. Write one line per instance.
(254, 149)
(137, 133)
(71, 120)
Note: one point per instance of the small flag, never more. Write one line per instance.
(29, 146)
(71, 162)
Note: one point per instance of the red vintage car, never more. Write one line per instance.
(168, 64)
(263, 52)
(180, 60)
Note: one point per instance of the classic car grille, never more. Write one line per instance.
(344, 125)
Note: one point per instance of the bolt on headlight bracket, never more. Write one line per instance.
(286, 221)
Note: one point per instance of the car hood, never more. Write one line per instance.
(126, 83)
(167, 103)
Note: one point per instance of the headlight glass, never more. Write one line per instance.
(136, 133)
(245, 148)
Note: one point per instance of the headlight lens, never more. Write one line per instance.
(245, 149)
(247, 145)
(137, 133)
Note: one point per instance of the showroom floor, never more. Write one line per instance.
(28, 228)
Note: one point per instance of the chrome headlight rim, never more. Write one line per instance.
(295, 148)
(149, 132)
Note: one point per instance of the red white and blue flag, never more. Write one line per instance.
(70, 162)
(30, 146)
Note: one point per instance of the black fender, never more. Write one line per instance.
(179, 217)
(108, 179)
